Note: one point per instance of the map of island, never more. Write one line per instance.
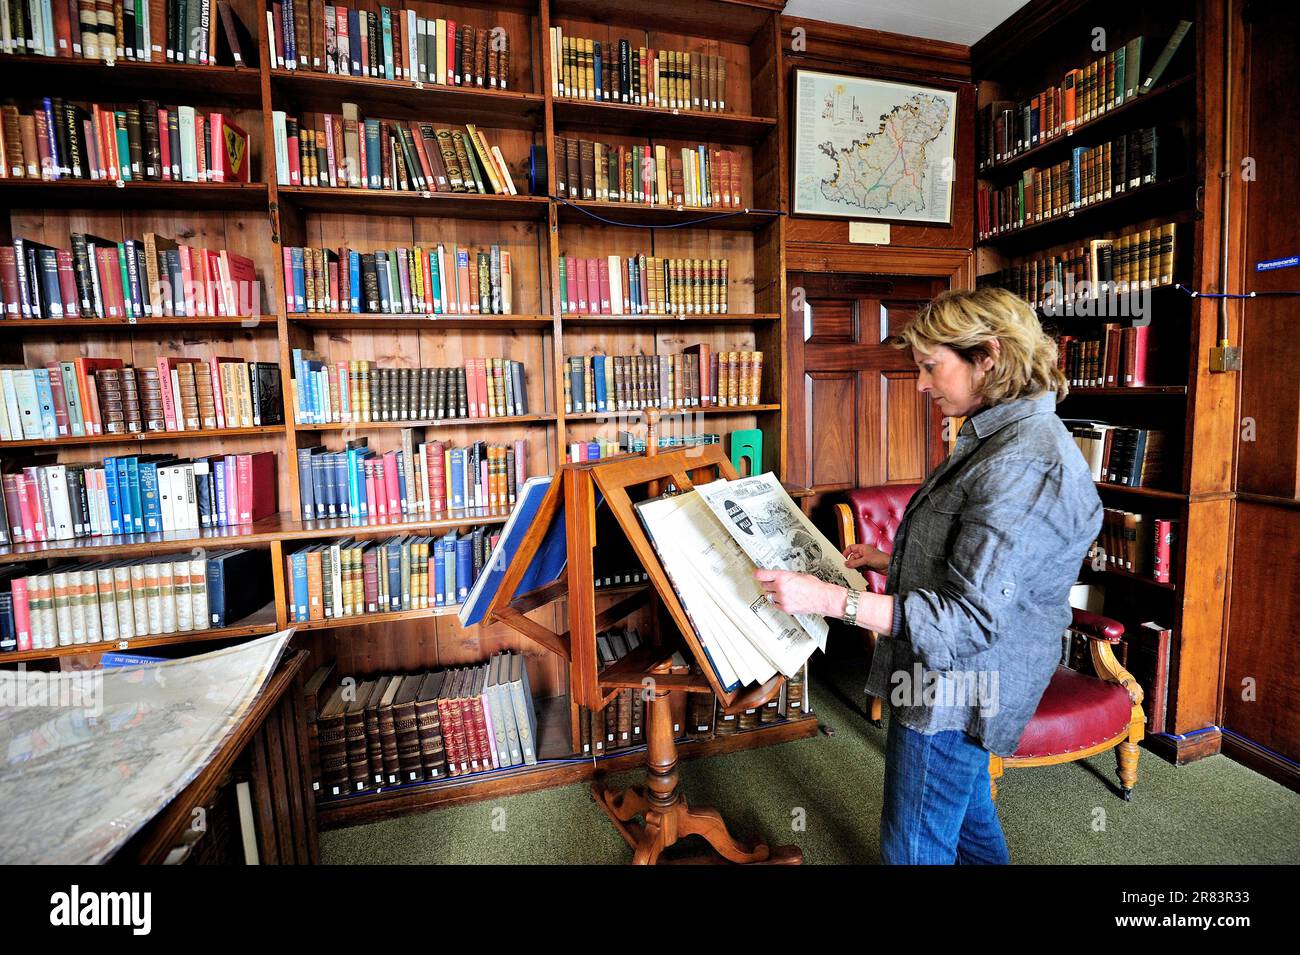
(895, 166)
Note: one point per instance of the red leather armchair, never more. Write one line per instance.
(1079, 715)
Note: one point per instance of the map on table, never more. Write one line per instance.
(88, 757)
(872, 149)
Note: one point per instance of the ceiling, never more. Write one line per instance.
(958, 21)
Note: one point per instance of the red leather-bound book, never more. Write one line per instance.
(255, 479)
(450, 744)
(370, 578)
(435, 467)
(392, 491)
(29, 502)
(602, 269)
(578, 277)
(377, 499)
(593, 286)
(68, 284)
(1164, 548)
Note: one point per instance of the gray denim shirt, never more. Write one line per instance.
(982, 566)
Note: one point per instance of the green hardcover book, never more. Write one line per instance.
(1132, 66)
(1121, 56)
(1167, 54)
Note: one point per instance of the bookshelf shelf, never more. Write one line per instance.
(625, 119)
(144, 436)
(254, 625)
(1151, 492)
(1152, 200)
(328, 320)
(1117, 120)
(431, 423)
(380, 617)
(714, 410)
(1171, 391)
(736, 22)
(55, 326)
(339, 811)
(99, 194)
(402, 99)
(635, 214)
(1129, 575)
(383, 202)
(667, 321)
(191, 84)
(139, 545)
(341, 527)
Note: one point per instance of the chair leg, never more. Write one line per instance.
(995, 773)
(1128, 752)
(874, 703)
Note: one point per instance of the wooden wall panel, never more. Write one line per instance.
(830, 403)
(906, 424)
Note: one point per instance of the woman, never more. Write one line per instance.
(979, 578)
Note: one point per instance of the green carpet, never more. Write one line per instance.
(1214, 811)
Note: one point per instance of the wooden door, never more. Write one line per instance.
(856, 418)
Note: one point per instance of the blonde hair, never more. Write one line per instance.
(1024, 364)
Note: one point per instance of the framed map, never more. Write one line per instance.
(872, 149)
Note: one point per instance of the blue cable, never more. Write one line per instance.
(673, 225)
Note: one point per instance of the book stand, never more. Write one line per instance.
(621, 480)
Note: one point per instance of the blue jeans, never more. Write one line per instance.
(938, 808)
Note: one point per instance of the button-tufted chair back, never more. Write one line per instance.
(877, 512)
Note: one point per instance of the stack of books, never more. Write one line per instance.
(622, 72)
(1133, 457)
(640, 284)
(697, 176)
(697, 377)
(1138, 543)
(1117, 359)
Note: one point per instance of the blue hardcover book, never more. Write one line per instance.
(113, 660)
(339, 480)
(354, 281)
(354, 499)
(394, 549)
(219, 474)
(1076, 164)
(110, 489)
(137, 503)
(290, 39)
(401, 481)
(125, 501)
(148, 471)
(489, 581)
(596, 74)
(299, 279)
(449, 569)
(464, 568)
(388, 42)
(456, 480)
(45, 400)
(439, 572)
(593, 450)
(363, 498)
(598, 372)
(216, 571)
(354, 34)
(374, 168)
(300, 594)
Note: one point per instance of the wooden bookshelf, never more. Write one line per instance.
(261, 218)
(1191, 404)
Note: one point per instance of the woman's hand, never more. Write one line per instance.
(864, 555)
(801, 593)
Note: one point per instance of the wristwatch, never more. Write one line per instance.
(851, 607)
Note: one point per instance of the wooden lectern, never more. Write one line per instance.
(621, 481)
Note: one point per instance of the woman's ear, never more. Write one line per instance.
(988, 360)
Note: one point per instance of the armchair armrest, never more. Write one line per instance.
(848, 533)
(1096, 627)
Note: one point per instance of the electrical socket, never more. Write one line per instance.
(1225, 358)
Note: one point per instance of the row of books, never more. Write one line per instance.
(1006, 128)
(1117, 359)
(393, 43)
(608, 72)
(346, 150)
(409, 728)
(697, 176)
(1138, 543)
(599, 448)
(137, 494)
(358, 391)
(695, 377)
(442, 280)
(1133, 457)
(153, 31)
(350, 578)
(86, 397)
(133, 279)
(1086, 177)
(362, 485)
(1125, 262)
(82, 603)
(641, 285)
(621, 723)
(140, 142)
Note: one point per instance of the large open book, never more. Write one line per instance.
(710, 540)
